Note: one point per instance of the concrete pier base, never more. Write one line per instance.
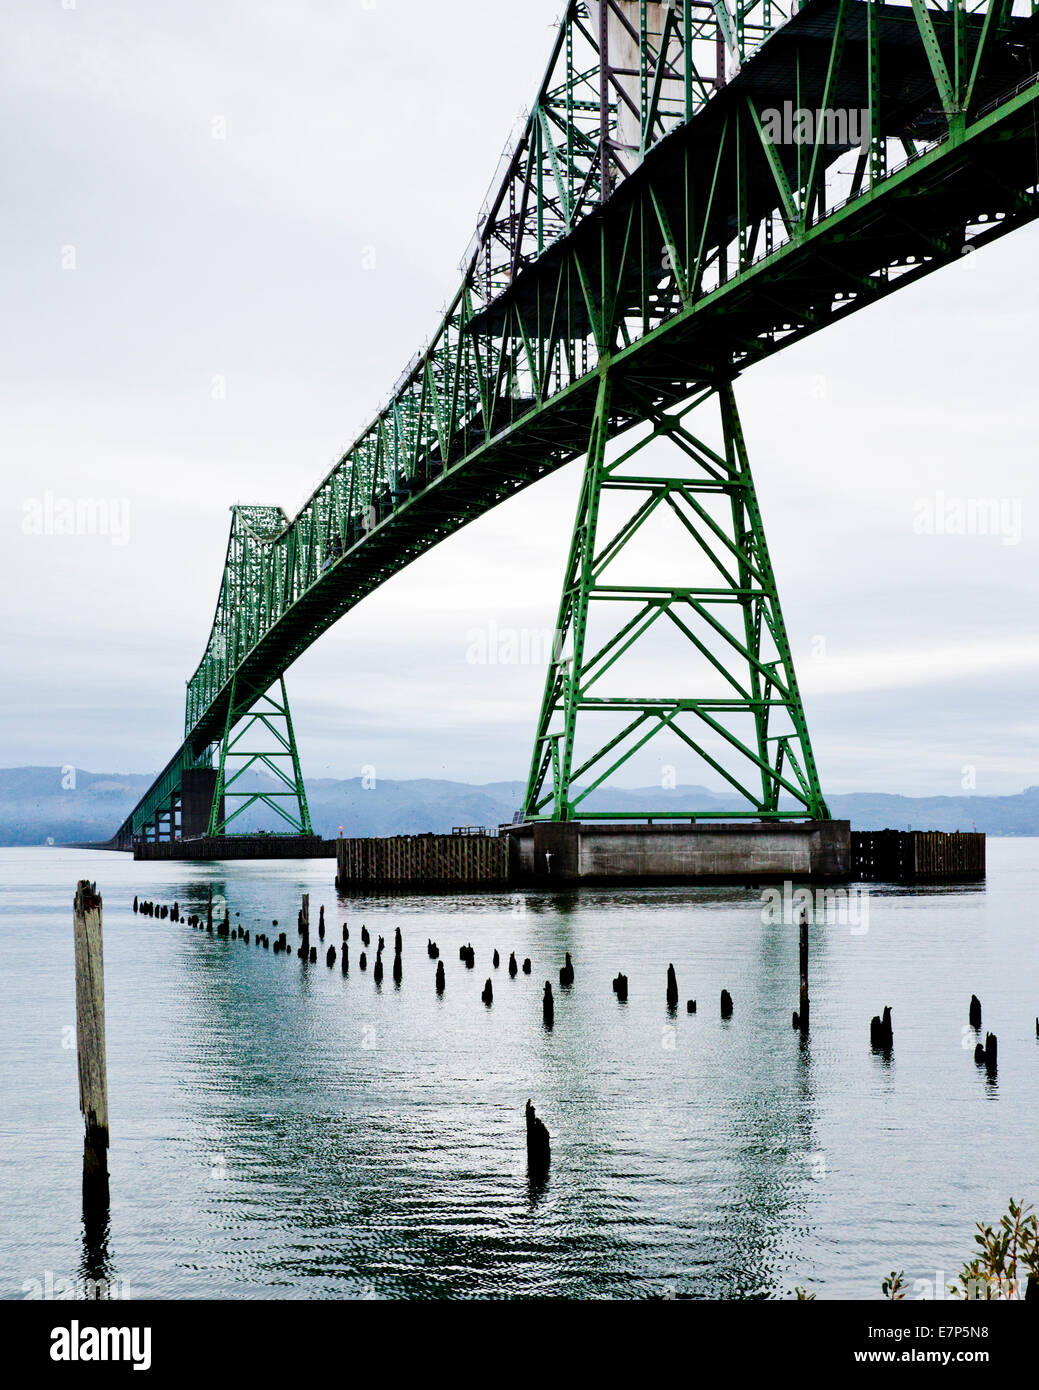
(609, 852)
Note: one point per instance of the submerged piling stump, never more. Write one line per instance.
(975, 1011)
(539, 1145)
(881, 1035)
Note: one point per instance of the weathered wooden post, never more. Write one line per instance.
(539, 1146)
(975, 1012)
(726, 1004)
(672, 988)
(802, 1007)
(440, 977)
(881, 1034)
(90, 1024)
(548, 1008)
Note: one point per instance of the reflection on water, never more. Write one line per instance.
(95, 1268)
(280, 1128)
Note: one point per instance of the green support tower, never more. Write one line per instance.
(266, 722)
(737, 708)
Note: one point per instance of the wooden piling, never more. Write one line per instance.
(440, 977)
(672, 988)
(975, 1012)
(90, 1020)
(539, 1145)
(548, 1008)
(881, 1035)
(726, 1004)
(513, 967)
(488, 993)
(802, 952)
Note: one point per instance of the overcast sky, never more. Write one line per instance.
(228, 226)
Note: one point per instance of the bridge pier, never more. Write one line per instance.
(600, 852)
(197, 789)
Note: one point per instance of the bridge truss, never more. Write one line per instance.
(696, 186)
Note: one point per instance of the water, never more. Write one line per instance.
(280, 1130)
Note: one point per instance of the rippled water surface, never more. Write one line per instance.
(283, 1130)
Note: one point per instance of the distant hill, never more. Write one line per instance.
(36, 807)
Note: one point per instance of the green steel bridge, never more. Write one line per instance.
(696, 185)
